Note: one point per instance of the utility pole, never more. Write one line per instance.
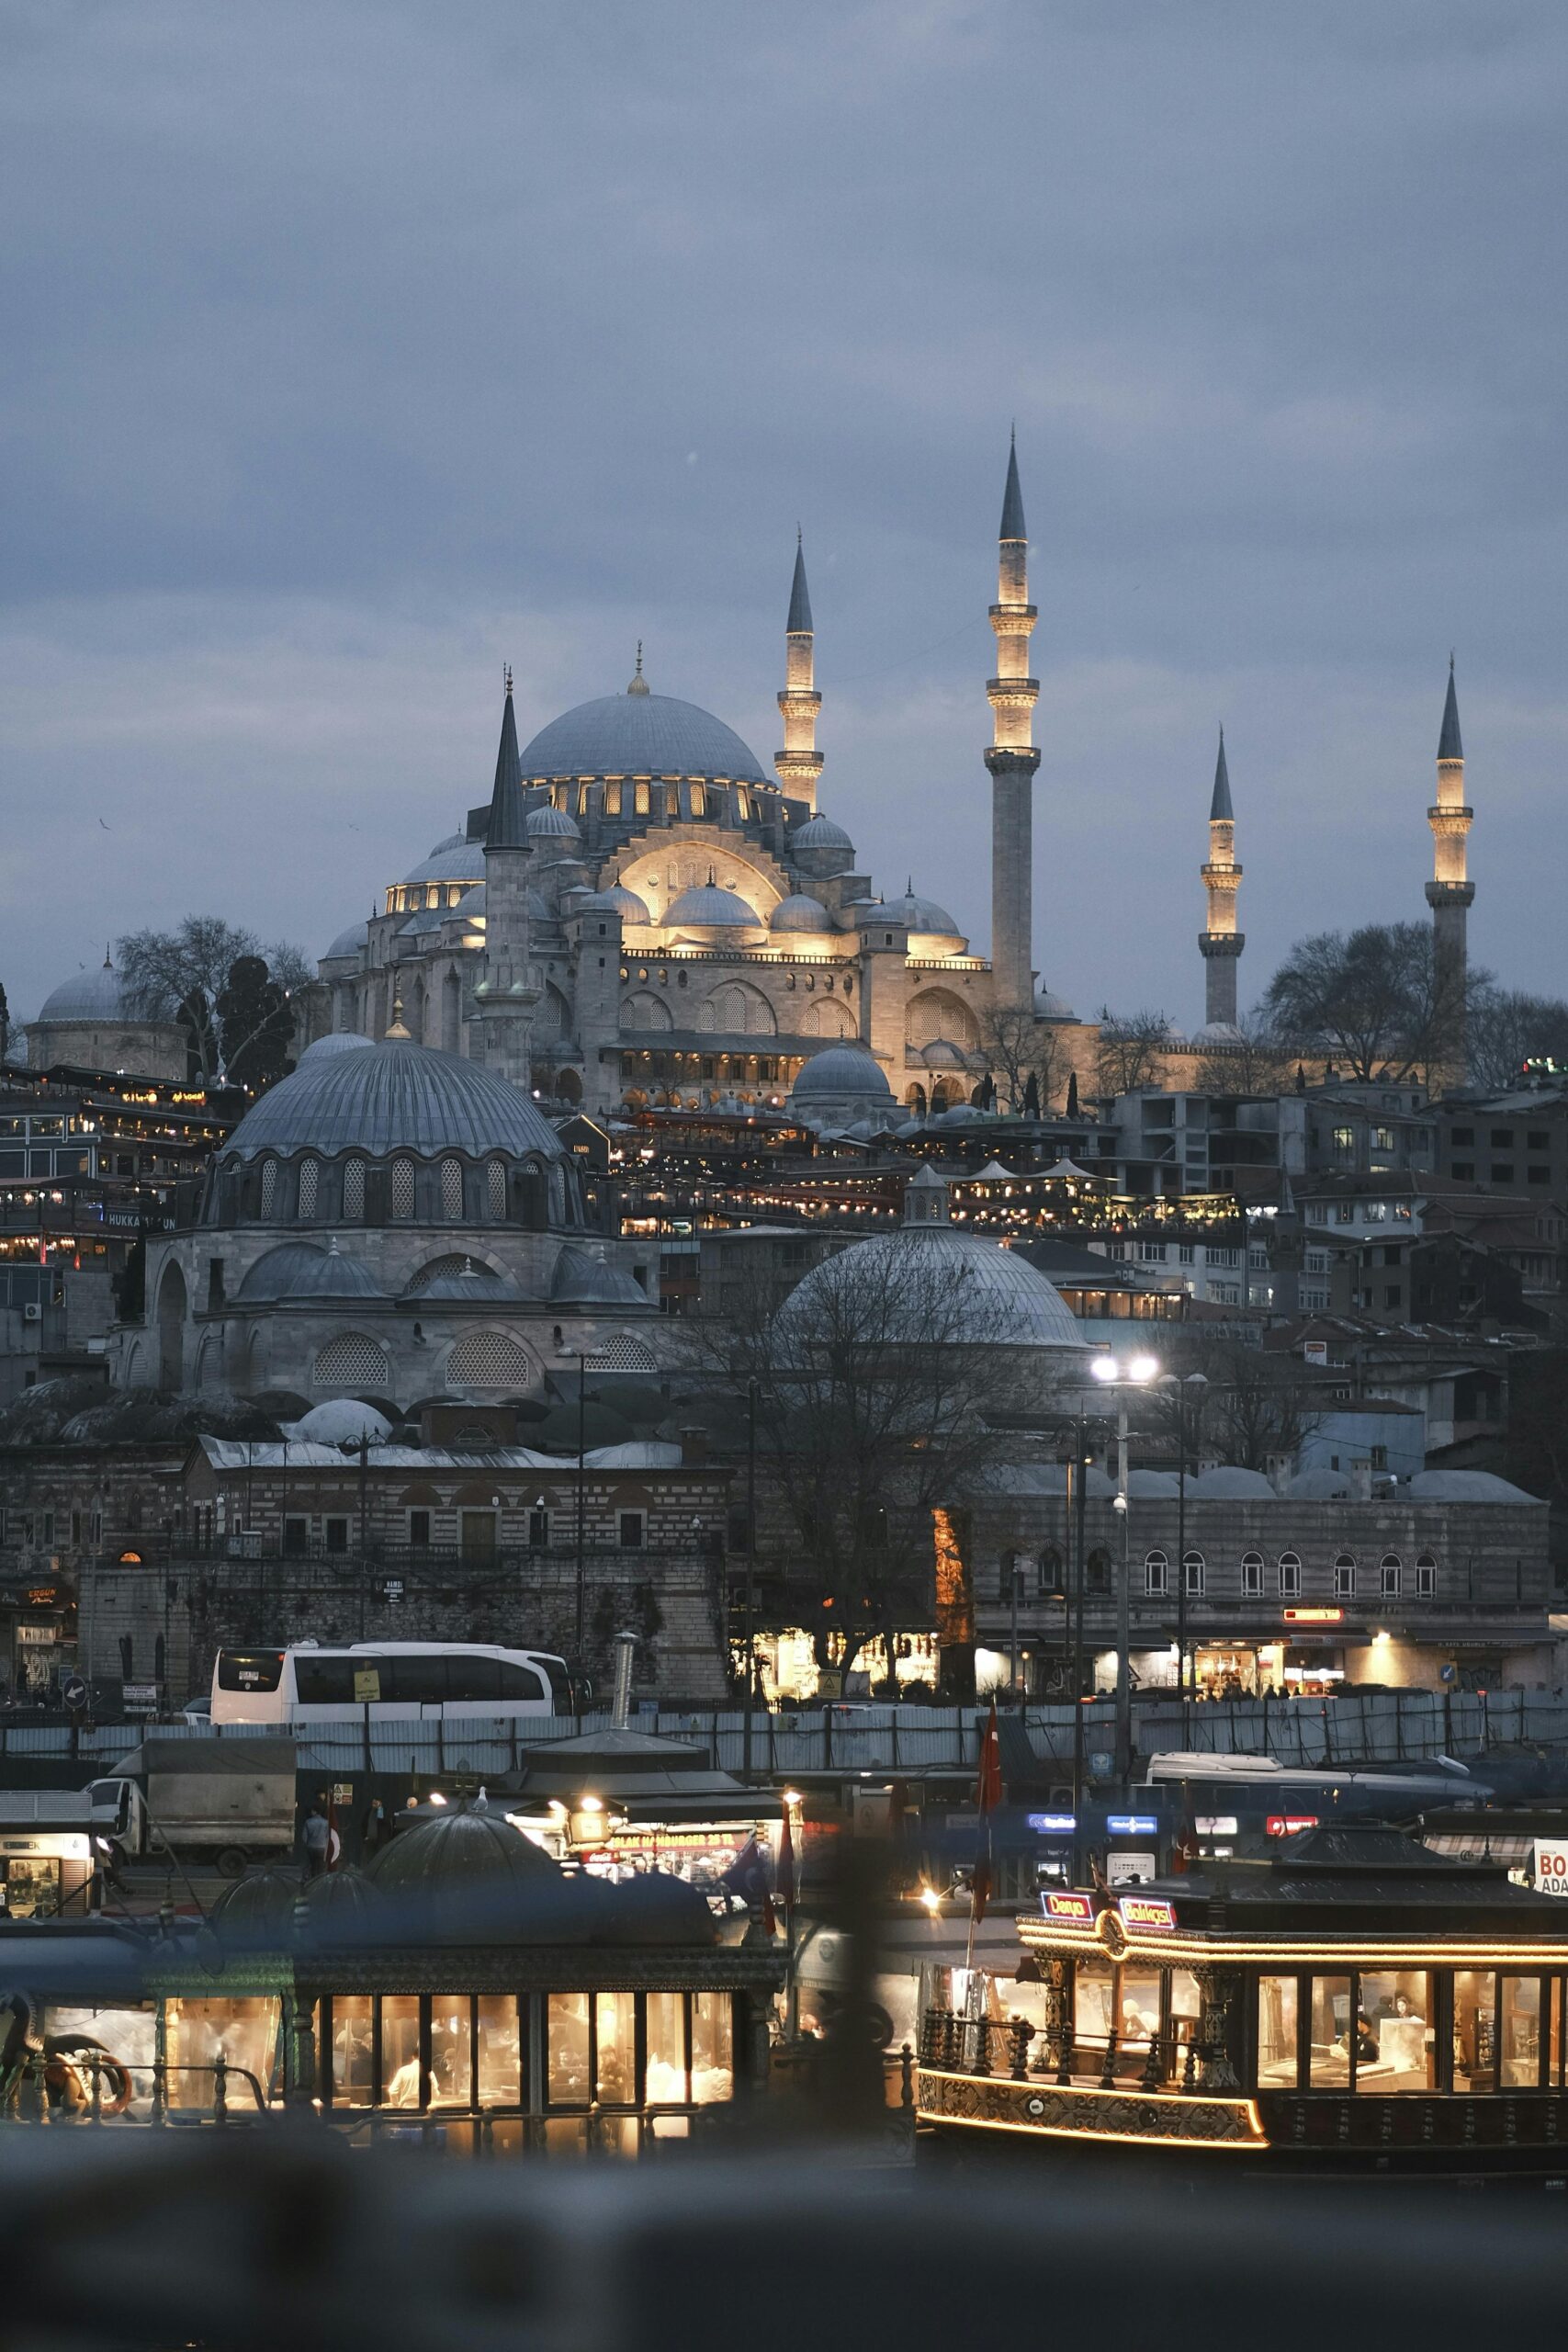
(581, 1524)
(750, 1577)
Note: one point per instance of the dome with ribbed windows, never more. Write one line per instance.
(638, 733)
(393, 1097)
(456, 859)
(547, 823)
(299, 1269)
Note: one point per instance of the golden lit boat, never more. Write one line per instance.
(1351, 2002)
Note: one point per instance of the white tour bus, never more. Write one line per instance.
(399, 1681)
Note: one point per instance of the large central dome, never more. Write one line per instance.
(639, 734)
(393, 1097)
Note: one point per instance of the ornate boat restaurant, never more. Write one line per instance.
(465, 1989)
(1350, 2002)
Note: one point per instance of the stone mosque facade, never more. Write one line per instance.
(681, 928)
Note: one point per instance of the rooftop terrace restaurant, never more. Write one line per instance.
(1352, 2001)
(465, 1987)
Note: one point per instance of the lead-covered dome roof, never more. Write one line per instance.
(639, 734)
(349, 942)
(840, 1069)
(707, 905)
(394, 1097)
(799, 912)
(298, 1270)
(456, 859)
(974, 1292)
(93, 995)
(923, 914)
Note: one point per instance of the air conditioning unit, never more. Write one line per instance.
(32, 1313)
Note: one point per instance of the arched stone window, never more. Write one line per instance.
(495, 1191)
(1157, 1573)
(353, 1191)
(1097, 1570)
(349, 1360)
(1388, 1576)
(488, 1360)
(1345, 1577)
(1425, 1574)
(452, 1188)
(1290, 1576)
(402, 1188)
(1252, 1575)
(1194, 1574)
(309, 1183)
(623, 1354)
(1050, 1574)
(270, 1187)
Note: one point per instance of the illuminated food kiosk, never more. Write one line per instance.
(1348, 2002)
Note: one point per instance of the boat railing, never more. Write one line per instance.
(91, 2087)
(1021, 2051)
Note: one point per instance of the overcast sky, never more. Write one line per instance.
(351, 350)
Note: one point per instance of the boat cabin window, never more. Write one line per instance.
(1093, 1986)
(1394, 2014)
(1138, 2019)
(1277, 2011)
(1329, 2055)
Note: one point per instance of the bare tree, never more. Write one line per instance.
(1508, 1029)
(1018, 1046)
(1255, 1407)
(1373, 999)
(180, 974)
(880, 1391)
(1130, 1049)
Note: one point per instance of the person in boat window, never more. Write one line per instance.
(1136, 2023)
(1366, 2040)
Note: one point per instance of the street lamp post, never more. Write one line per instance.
(751, 1577)
(1194, 1380)
(1015, 1583)
(581, 1520)
(1137, 1373)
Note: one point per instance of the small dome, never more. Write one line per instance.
(1217, 1033)
(343, 1420)
(1465, 1487)
(471, 906)
(923, 914)
(256, 1914)
(708, 908)
(91, 995)
(549, 823)
(558, 1432)
(339, 1910)
(351, 942)
(586, 1281)
(395, 1096)
(1228, 1484)
(298, 1270)
(1052, 1008)
(799, 912)
(842, 1070)
(460, 1876)
(997, 1298)
(1319, 1487)
(336, 1041)
(820, 832)
(616, 900)
(942, 1054)
(645, 734)
(456, 859)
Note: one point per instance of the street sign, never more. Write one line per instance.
(74, 1692)
(366, 1684)
(141, 1697)
(1099, 1763)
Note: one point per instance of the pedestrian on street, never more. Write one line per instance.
(314, 1838)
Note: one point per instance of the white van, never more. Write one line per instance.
(398, 1681)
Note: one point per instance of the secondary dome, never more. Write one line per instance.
(471, 906)
(550, 823)
(298, 1270)
(616, 900)
(349, 942)
(343, 1420)
(336, 1041)
(923, 914)
(842, 1070)
(708, 907)
(799, 912)
(87, 996)
(456, 859)
(972, 1291)
(393, 1097)
(639, 734)
(820, 832)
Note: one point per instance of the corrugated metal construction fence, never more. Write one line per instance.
(1385, 1725)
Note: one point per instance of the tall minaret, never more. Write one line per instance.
(511, 988)
(1222, 943)
(1449, 891)
(1012, 760)
(800, 762)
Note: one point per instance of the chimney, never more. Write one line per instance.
(694, 1445)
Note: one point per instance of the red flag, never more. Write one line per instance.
(988, 1797)
(786, 1864)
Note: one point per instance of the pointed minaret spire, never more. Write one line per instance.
(1222, 943)
(1450, 891)
(799, 764)
(504, 829)
(639, 685)
(1012, 760)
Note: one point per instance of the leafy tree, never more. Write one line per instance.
(255, 1025)
(1129, 1050)
(180, 974)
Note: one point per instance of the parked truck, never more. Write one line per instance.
(223, 1801)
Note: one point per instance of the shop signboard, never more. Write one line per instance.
(1129, 1870)
(1147, 1914)
(1133, 1825)
(141, 1698)
(1066, 1908)
(1052, 1825)
(1550, 1866)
